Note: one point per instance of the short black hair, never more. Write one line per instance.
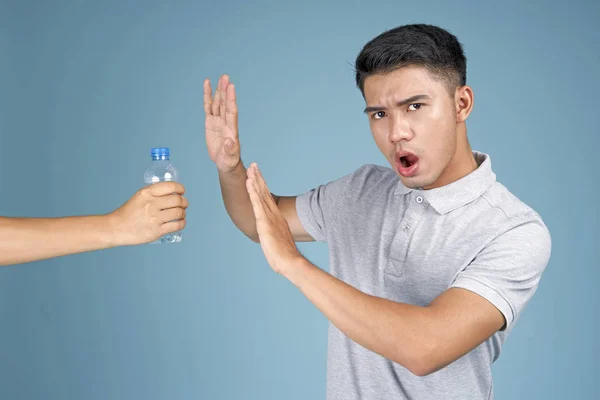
(422, 45)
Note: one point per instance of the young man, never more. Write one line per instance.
(432, 261)
(152, 212)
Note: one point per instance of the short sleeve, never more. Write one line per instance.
(508, 270)
(317, 208)
(314, 207)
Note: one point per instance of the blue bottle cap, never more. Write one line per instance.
(159, 151)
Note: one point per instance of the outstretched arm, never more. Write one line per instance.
(222, 142)
(152, 212)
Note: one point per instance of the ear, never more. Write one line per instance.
(463, 99)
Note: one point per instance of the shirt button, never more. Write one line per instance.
(419, 199)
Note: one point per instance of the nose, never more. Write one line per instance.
(399, 130)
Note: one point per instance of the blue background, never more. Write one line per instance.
(86, 88)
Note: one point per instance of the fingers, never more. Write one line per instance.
(224, 102)
(218, 106)
(260, 180)
(231, 111)
(171, 201)
(261, 187)
(171, 214)
(172, 226)
(207, 97)
(257, 205)
(262, 196)
(256, 196)
(164, 188)
(217, 98)
(223, 94)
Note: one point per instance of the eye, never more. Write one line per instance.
(378, 115)
(414, 106)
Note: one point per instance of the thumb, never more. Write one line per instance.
(230, 147)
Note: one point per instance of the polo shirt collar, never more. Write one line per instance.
(460, 192)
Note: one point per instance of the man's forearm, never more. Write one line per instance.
(30, 239)
(396, 331)
(237, 202)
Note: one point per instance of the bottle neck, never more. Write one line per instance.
(160, 158)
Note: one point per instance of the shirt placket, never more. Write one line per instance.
(404, 233)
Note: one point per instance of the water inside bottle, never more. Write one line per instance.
(162, 170)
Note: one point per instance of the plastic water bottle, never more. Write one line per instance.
(162, 170)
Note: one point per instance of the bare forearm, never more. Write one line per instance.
(398, 332)
(237, 202)
(30, 239)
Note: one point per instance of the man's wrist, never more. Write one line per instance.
(295, 270)
(235, 172)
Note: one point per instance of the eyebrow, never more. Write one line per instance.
(401, 103)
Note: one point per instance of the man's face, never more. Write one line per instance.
(413, 121)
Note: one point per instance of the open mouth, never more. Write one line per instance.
(408, 160)
(407, 164)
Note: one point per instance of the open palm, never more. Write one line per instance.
(221, 124)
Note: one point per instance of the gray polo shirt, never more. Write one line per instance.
(409, 246)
